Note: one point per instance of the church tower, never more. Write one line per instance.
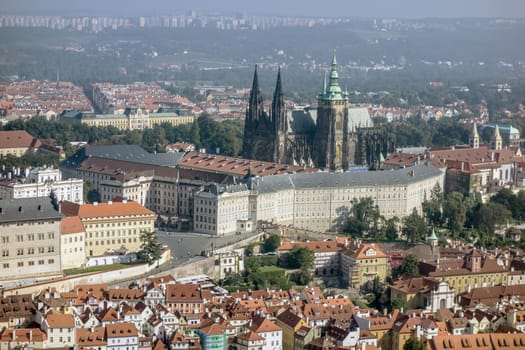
(496, 142)
(279, 122)
(257, 127)
(474, 137)
(331, 134)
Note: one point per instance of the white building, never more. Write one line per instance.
(73, 236)
(60, 329)
(40, 182)
(315, 201)
(122, 336)
(269, 331)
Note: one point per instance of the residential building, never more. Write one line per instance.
(422, 292)
(213, 336)
(30, 236)
(249, 341)
(475, 269)
(290, 323)
(269, 331)
(12, 338)
(41, 182)
(60, 329)
(362, 264)
(16, 311)
(326, 253)
(112, 226)
(73, 245)
(186, 298)
(17, 143)
(122, 336)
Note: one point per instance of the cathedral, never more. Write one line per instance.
(333, 137)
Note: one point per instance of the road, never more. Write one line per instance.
(185, 245)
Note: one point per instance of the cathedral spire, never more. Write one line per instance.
(278, 115)
(496, 142)
(474, 137)
(333, 91)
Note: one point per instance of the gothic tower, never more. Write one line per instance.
(496, 142)
(331, 135)
(279, 122)
(257, 127)
(474, 137)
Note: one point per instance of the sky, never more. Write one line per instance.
(333, 8)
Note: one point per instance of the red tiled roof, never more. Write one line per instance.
(18, 139)
(237, 166)
(105, 209)
(71, 224)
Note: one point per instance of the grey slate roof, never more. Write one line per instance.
(358, 117)
(130, 153)
(303, 121)
(28, 209)
(401, 177)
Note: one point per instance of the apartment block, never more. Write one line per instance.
(112, 226)
(30, 237)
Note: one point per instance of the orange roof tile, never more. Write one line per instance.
(71, 224)
(118, 330)
(57, 320)
(105, 209)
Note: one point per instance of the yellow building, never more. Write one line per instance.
(475, 270)
(379, 325)
(17, 143)
(422, 293)
(132, 119)
(112, 226)
(362, 263)
(290, 323)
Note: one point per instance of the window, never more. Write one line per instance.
(41, 250)
(31, 263)
(19, 252)
(5, 252)
(20, 264)
(6, 266)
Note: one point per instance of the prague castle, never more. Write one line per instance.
(334, 137)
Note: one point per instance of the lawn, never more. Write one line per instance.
(99, 268)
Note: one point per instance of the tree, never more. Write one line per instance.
(301, 257)
(252, 266)
(195, 136)
(365, 218)
(390, 228)
(272, 243)
(414, 227)
(150, 249)
(487, 216)
(433, 208)
(455, 211)
(414, 344)
(409, 266)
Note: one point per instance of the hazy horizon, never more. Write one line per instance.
(332, 8)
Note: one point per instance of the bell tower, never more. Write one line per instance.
(474, 137)
(330, 149)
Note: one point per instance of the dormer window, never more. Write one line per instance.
(370, 252)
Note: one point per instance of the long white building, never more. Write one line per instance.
(317, 201)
